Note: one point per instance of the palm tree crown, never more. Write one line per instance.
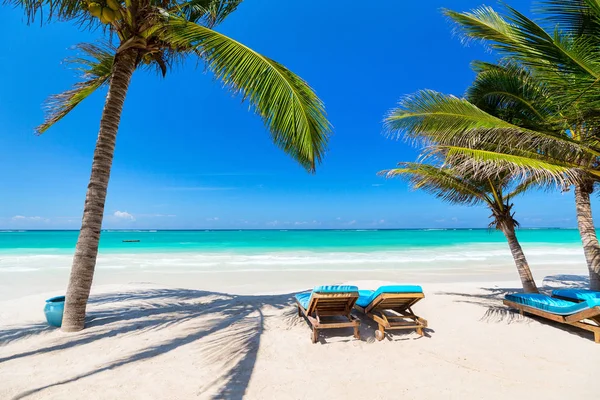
(164, 33)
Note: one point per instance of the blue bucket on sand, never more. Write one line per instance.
(54, 310)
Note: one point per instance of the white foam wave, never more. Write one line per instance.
(478, 256)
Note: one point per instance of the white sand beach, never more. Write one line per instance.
(183, 341)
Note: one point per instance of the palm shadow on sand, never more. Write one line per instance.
(497, 312)
(231, 338)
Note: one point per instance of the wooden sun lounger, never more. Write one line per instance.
(588, 319)
(324, 307)
(393, 311)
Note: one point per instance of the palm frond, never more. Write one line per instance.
(208, 13)
(46, 10)
(521, 167)
(95, 65)
(289, 108)
(513, 93)
(448, 120)
(440, 182)
(576, 17)
(521, 38)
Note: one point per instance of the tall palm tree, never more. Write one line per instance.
(567, 61)
(156, 34)
(511, 121)
(458, 188)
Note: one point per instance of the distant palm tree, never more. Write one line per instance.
(511, 122)
(156, 34)
(458, 188)
(568, 62)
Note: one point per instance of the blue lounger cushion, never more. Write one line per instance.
(550, 304)
(576, 294)
(304, 298)
(365, 297)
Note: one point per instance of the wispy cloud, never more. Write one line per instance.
(157, 215)
(124, 215)
(212, 219)
(24, 218)
(199, 188)
(353, 222)
(377, 184)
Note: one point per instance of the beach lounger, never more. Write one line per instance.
(326, 305)
(576, 295)
(390, 307)
(584, 315)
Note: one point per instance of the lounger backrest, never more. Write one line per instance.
(332, 300)
(576, 294)
(396, 300)
(395, 296)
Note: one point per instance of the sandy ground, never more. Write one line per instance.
(145, 341)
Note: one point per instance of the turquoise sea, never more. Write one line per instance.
(253, 241)
(293, 250)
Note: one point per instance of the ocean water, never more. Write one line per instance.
(294, 250)
(266, 241)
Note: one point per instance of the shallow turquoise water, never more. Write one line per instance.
(259, 241)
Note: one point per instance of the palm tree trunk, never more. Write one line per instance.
(525, 274)
(587, 231)
(86, 251)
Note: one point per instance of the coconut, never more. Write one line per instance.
(108, 15)
(112, 4)
(95, 9)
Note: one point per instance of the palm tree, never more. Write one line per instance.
(568, 62)
(458, 188)
(156, 34)
(511, 122)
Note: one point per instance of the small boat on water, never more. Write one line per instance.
(130, 241)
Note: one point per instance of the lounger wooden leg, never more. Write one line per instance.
(420, 331)
(356, 332)
(597, 337)
(315, 335)
(380, 333)
(299, 311)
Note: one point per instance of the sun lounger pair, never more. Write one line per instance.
(577, 307)
(389, 306)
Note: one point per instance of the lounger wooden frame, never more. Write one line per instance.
(588, 319)
(323, 306)
(393, 311)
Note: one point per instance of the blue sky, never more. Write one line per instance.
(190, 155)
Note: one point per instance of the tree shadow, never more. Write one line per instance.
(566, 281)
(230, 325)
(496, 312)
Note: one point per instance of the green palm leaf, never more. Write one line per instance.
(290, 109)
(440, 182)
(448, 120)
(95, 65)
(520, 37)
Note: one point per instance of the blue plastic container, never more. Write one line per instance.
(54, 310)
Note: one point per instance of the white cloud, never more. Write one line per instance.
(24, 218)
(212, 219)
(124, 215)
(351, 222)
(157, 215)
(273, 223)
(377, 184)
(199, 188)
